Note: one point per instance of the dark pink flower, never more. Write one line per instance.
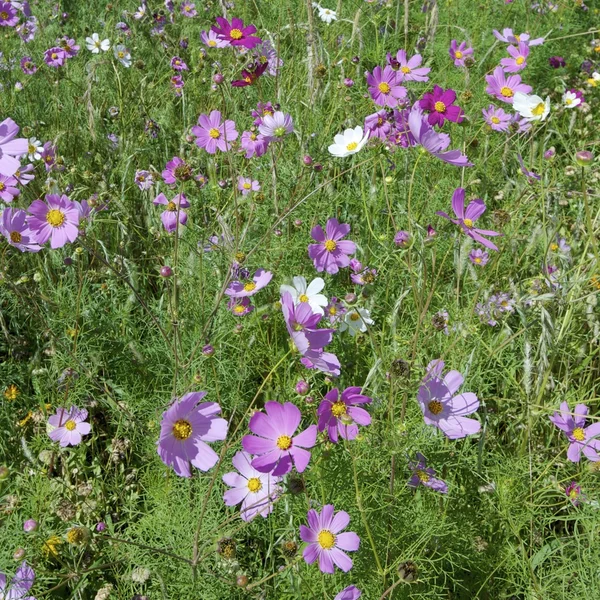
(440, 105)
(235, 33)
(384, 87)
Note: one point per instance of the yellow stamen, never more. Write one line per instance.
(495, 120)
(423, 477)
(55, 217)
(338, 409)
(520, 60)
(458, 54)
(326, 539)
(70, 425)
(354, 316)
(250, 286)
(351, 146)
(239, 309)
(405, 70)
(247, 186)
(435, 407)
(171, 207)
(468, 223)
(284, 442)
(330, 245)
(254, 484)
(579, 434)
(303, 298)
(182, 430)
(440, 107)
(236, 34)
(506, 92)
(384, 88)
(214, 133)
(539, 109)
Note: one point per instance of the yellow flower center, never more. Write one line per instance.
(468, 223)
(11, 392)
(435, 407)
(214, 133)
(579, 434)
(440, 107)
(236, 34)
(212, 43)
(54, 56)
(250, 286)
(253, 137)
(239, 309)
(591, 81)
(506, 92)
(384, 87)
(4, 15)
(495, 120)
(171, 207)
(539, 109)
(338, 409)
(2, 186)
(405, 70)
(31, 149)
(70, 425)
(332, 310)
(247, 186)
(284, 442)
(182, 429)
(569, 101)
(326, 539)
(330, 245)
(597, 49)
(554, 247)
(303, 298)
(354, 316)
(424, 477)
(458, 54)
(121, 54)
(351, 146)
(520, 60)
(518, 38)
(254, 484)
(478, 260)
(55, 217)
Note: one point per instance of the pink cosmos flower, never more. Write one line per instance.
(11, 148)
(508, 37)
(440, 105)
(188, 9)
(176, 170)
(256, 491)
(68, 427)
(240, 307)
(378, 124)
(211, 134)
(325, 540)
(408, 68)
(173, 210)
(23, 174)
(423, 475)
(384, 87)
(349, 593)
(237, 289)
(331, 252)
(178, 64)
(24, 577)
(212, 40)
(14, 228)
(343, 413)
(185, 428)
(55, 57)
(276, 126)
(8, 191)
(276, 447)
(518, 60)
(247, 185)
(254, 144)
(8, 15)
(56, 220)
(581, 438)
(496, 118)
(504, 87)
(459, 52)
(235, 33)
(479, 257)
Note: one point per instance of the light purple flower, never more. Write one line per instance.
(212, 40)
(581, 438)
(343, 413)
(24, 577)
(69, 45)
(335, 310)
(275, 127)
(185, 428)
(496, 118)
(265, 53)
(277, 448)
(325, 540)
(479, 257)
(459, 52)
(362, 275)
(176, 170)
(331, 252)
(237, 289)
(349, 593)
(27, 65)
(240, 307)
(178, 64)
(466, 218)
(518, 60)
(14, 228)
(531, 175)
(68, 427)
(8, 191)
(423, 475)
(378, 124)
(144, 180)
(56, 220)
(211, 134)
(504, 87)
(247, 185)
(23, 174)
(188, 9)
(384, 86)
(326, 362)
(508, 37)
(441, 408)
(11, 148)
(170, 216)
(254, 144)
(8, 15)
(55, 57)
(408, 68)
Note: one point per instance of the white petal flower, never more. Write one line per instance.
(34, 149)
(349, 142)
(570, 100)
(531, 107)
(301, 292)
(356, 320)
(326, 15)
(122, 55)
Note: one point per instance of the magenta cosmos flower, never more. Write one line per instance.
(276, 447)
(256, 491)
(14, 228)
(240, 307)
(424, 475)
(68, 427)
(440, 104)
(325, 542)
(55, 57)
(56, 220)
(8, 15)
(496, 118)
(24, 577)
(331, 252)
(238, 289)
(343, 413)
(11, 148)
(458, 53)
(518, 58)
(441, 408)
(504, 87)
(169, 216)
(185, 428)
(176, 170)
(466, 218)
(581, 438)
(235, 33)
(384, 86)
(408, 68)
(211, 134)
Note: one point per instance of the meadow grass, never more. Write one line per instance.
(93, 324)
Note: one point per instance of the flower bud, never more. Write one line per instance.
(30, 525)
(208, 350)
(166, 271)
(218, 78)
(19, 554)
(348, 82)
(302, 388)
(584, 158)
(307, 160)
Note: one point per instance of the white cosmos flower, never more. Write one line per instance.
(122, 55)
(326, 15)
(349, 142)
(34, 149)
(570, 100)
(95, 44)
(356, 320)
(301, 292)
(531, 107)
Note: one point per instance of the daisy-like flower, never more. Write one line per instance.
(459, 52)
(188, 9)
(424, 475)
(69, 45)
(581, 438)
(24, 577)
(240, 307)
(56, 220)
(276, 126)
(505, 87)
(508, 37)
(28, 66)
(178, 64)
(307, 293)
(356, 321)
(331, 252)
(479, 257)
(384, 86)
(212, 40)
(466, 218)
(176, 170)
(8, 191)
(343, 414)
(440, 104)
(144, 179)
(170, 214)
(325, 540)
(255, 490)
(253, 143)
(211, 134)
(55, 57)
(335, 310)
(378, 125)
(34, 149)
(444, 410)
(235, 33)
(68, 427)
(518, 58)
(186, 427)
(531, 107)
(572, 98)
(322, 361)
(250, 75)
(8, 15)
(496, 118)
(238, 289)
(122, 55)
(408, 68)
(13, 227)
(11, 147)
(349, 142)
(275, 444)
(326, 15)
(349, 593)
(23, 174)
(247, 185)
